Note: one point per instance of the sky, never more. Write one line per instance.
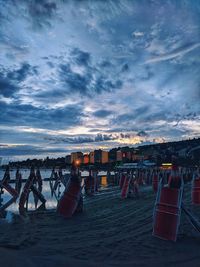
(79, 75)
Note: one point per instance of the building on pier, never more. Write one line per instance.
(86, 159)
(100, 156)
(91, 157)
(77, 156)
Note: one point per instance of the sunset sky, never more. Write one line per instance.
(79, 75)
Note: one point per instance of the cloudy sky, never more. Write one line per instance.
(77, 75)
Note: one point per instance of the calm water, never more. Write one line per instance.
(51, 202)
(44, 173)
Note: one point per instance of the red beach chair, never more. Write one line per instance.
(14, 192)
(122, 179)
(125, 187)
(196, 191)
(155, 181)
(96, 181)
(141, 179)
(69, 201)
(167, 211)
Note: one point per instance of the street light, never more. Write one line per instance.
(77, 162)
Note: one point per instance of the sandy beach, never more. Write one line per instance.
(110, 232)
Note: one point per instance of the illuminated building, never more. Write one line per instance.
(104, 157)
(99, 156)
(91, 157)
(124, 155)
(112, 155)
(119, 155)
(77, 156)
(86, 159)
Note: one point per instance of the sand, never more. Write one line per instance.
(110, 232)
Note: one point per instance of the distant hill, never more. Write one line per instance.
(187, 153)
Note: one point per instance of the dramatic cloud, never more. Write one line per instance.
(41, 11)
(27, 115)
(81, 58)
(7, 88)
(83, 139)
(79, 75)
(178, 53)
(10, 80)
(102, 113)
(27, 150)
(20, 74)
(142, 133)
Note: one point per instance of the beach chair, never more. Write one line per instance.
(95, 184)
(196, 190)
(155, 182)
(70, 200)
(122, 179)
(167, 212)
(14, 192)
(125, 186)
(33, 184)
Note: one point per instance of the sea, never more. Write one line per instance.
(51, 201)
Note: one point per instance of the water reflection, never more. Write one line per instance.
(104, 181)
(51, 201)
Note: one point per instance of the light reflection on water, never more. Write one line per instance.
(51, 201)
(104, 181)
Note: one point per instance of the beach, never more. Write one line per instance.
(100, 133)
(110, 232)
